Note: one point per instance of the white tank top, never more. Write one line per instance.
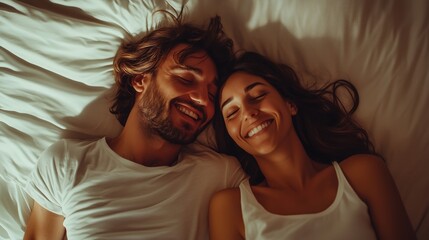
(346, 218)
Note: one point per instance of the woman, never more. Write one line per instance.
(313, 173)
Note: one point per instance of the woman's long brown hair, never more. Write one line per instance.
(323, 124)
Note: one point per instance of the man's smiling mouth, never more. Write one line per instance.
(189, 112)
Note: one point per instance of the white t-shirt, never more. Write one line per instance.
(346, 218)
(104, 196)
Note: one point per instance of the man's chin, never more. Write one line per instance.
(189, 133)
(187, 138)
(180, 137)
(182, 140)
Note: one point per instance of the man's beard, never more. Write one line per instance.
(155, 116)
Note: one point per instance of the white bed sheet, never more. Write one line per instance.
(56, 75)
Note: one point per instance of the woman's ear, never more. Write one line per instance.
(140, 82)
(293, 108)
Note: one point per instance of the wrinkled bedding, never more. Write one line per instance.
(56, 75)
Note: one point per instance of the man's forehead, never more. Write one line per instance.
(198, 62)
(193, 57)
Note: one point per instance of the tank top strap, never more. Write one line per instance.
(339, 172)
(246, 193)
(343, 183)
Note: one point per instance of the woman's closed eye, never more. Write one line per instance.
(230, 113)
(258, 97)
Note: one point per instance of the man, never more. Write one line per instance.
(142, 184)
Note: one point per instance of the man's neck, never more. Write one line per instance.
(144, 148)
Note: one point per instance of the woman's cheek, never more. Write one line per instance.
(232, 131)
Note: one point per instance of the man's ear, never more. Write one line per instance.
(140, 82)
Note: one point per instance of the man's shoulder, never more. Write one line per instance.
(65, 147)
(79, 143)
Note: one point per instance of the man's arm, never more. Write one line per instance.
(43, 224)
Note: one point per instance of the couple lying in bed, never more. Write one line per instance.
(310, 172)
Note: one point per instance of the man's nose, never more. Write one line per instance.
(201, 97)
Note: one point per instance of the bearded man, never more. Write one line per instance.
(142, 184)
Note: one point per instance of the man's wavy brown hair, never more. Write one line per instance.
(144, 54)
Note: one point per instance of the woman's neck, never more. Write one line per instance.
(288, 167)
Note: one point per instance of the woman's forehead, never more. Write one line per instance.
(239, 84)
(240, 81)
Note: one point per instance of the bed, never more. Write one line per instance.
(56, 75)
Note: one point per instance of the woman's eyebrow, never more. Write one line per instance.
(249, 87)
(246, 89)
(225, 103)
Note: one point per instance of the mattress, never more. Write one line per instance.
(56, 75)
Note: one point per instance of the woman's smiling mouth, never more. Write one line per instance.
(259, 128)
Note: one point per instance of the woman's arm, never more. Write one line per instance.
(43, 224)
(372, 181)
(225, 220)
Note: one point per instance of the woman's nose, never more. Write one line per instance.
(251, 112)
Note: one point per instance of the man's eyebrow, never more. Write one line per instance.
(187, 68)
(246, 89)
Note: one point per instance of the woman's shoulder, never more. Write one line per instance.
(364, 172)
(226, 202)
(229, 196)
(361, 162)
(225, 216)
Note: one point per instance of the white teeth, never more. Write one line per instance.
(258, 128)
(187, 112)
